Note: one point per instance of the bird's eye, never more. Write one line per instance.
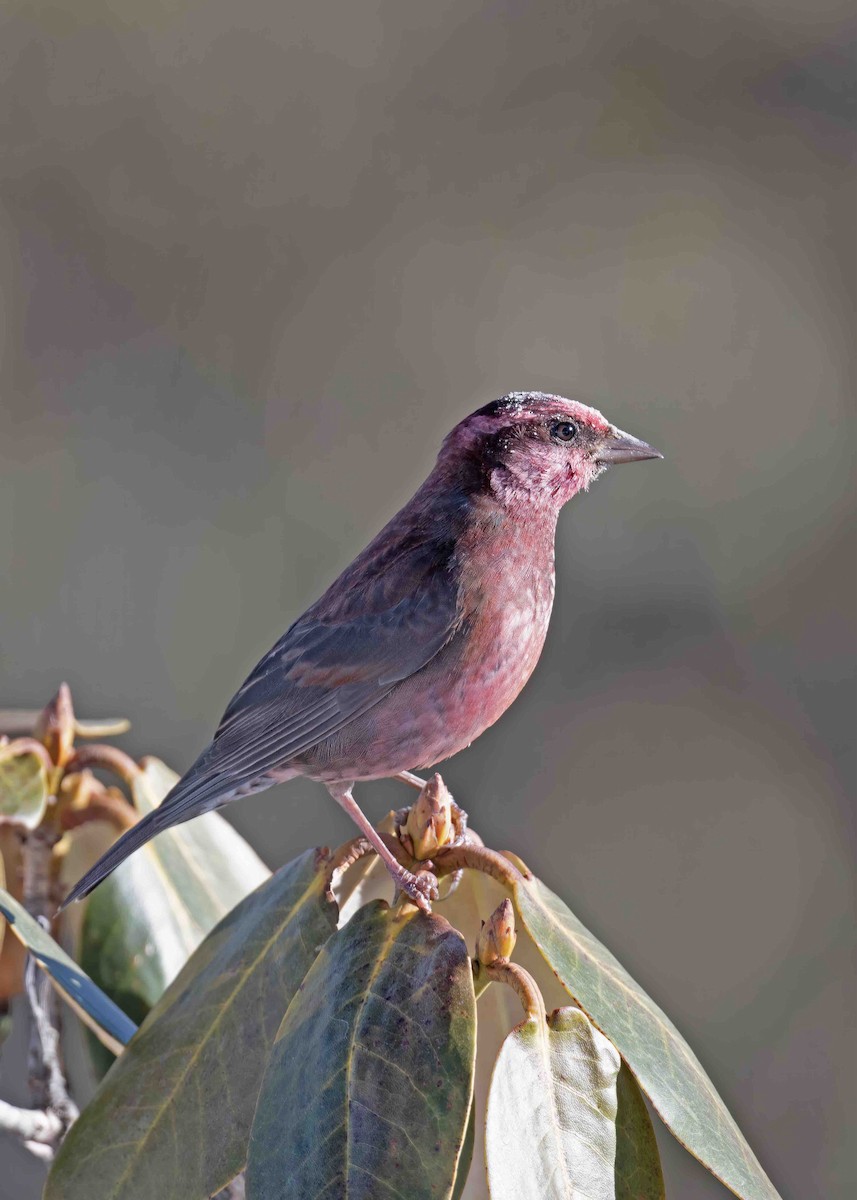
(563, 431)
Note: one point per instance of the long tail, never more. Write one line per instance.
(197, 792)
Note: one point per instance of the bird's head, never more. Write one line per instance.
(546, 447)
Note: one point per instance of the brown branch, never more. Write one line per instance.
(351, 852)
(477, 858)
(343, 858)
(407, 860)
(47, 1079)
(521, 982)
(104, 805)
(40, 1131)
(48, 1088)
(111, 758)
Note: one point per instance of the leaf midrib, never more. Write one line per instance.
(544, 1046)
(391, 933)
(222, 1011)
(663, 1023)
(650, 1008)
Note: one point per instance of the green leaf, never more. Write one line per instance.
(369, 1085)
(98, 1011)
(638, 1163)
(663, 1063)
(465, 1158)
(141, 925)
(550, 1130)
(23, 786)
(172, 1117)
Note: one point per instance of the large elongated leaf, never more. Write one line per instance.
(97, 1010)
(638, 1162)
(205, 866)
(172, 1117)
(550, 1131)
(665, 1066)
(144, 921)
(369, 1085)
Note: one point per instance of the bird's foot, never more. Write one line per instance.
(420, 888)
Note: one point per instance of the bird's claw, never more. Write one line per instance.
(420, 888)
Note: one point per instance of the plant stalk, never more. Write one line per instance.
(521, 982)
(53, 1110)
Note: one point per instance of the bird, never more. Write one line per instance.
(420, 644)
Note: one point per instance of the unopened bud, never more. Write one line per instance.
(55, 726)
(497, 938)
(429, 823)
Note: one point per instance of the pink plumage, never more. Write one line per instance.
(425, 639)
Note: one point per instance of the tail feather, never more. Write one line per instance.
(189, 798)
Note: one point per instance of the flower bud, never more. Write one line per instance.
(55, 726)
(429, 823)
(497, 938)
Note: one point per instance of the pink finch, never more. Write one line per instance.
(424, 640)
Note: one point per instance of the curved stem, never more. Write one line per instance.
(521, 982)
(478, 858)
(101, 755)
(346, 856)
(102, 806)
(351, 852)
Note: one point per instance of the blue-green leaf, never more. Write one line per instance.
(103, 1017)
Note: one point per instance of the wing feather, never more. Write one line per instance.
(324, 673)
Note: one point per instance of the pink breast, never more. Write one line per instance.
(507, 596)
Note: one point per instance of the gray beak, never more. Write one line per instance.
(620, 447)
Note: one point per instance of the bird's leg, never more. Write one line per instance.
(414, 780)
(421, 888)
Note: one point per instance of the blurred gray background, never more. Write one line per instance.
(257, 258)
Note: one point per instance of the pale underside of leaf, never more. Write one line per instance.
(23, 788)
(664, 1065)
(550, 1125)
(205, 866)
(368, 1089)
(172, 1117)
